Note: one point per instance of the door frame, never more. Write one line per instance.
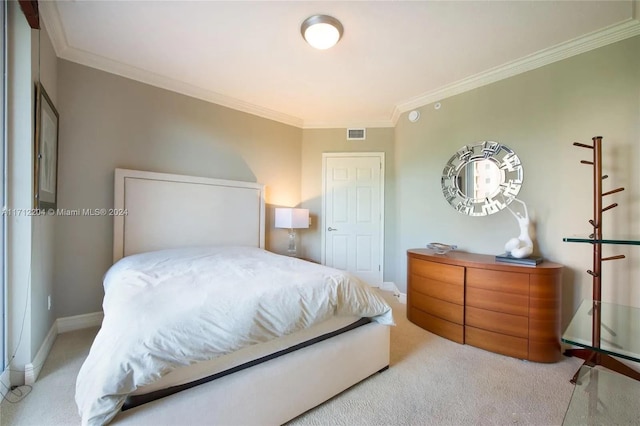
(381, 157)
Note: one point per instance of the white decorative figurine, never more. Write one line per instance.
(522, 246)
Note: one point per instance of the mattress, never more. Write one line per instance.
(202, 372)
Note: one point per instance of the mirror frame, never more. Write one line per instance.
(511, 172)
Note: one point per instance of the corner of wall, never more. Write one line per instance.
(32, 370)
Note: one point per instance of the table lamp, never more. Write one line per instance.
(292, 219)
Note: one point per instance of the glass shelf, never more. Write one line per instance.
(634, 241)
(619, 331)
(603, 398)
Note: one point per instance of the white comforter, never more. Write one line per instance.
(173, 308)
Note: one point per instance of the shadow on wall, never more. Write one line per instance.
(92, 187)
(618, 163)
(311, 239)
(569, 293)
(200, 156)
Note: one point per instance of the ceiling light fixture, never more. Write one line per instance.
(321, 31)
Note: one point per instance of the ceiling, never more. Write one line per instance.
(394, 56)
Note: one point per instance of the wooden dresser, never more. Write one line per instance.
(501, 307)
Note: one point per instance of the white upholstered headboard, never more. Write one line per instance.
(154, 211)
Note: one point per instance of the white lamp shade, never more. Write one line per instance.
(292, 218)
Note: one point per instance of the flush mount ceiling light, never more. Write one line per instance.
(321, 31)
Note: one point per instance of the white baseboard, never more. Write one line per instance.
(390, 286)
(61, 325)
(32, 370)
(78, 322)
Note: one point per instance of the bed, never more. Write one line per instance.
(272, 367)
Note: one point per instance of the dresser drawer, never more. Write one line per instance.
(498, 322)
(439, 308)
(516, 347)
(437, 325)
(437, 271)
(508, 303)
(504, 282)
(452, 293)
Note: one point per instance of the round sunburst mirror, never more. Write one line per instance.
(482, 179)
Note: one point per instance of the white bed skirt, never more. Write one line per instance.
(275, 391)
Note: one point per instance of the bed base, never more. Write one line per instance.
(133, 401)
(276, 391)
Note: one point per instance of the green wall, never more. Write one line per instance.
(539, 114)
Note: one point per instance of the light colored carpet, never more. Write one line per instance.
(431, 381)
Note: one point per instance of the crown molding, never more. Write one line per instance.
(626, 29)
(369, 124)
(594, 40)
(53, 24)
(173, 85)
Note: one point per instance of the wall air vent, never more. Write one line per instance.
(356, 134)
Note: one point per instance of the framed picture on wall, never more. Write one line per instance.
(46, 151)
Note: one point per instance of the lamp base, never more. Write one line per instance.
(292, 250)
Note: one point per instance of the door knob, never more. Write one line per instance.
(331, 229)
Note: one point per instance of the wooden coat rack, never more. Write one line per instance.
(594, 356)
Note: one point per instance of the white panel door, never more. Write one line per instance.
(353, 214)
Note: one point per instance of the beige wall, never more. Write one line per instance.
(539, 114)
(43, 248)
(108, 122)
(317, 141)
